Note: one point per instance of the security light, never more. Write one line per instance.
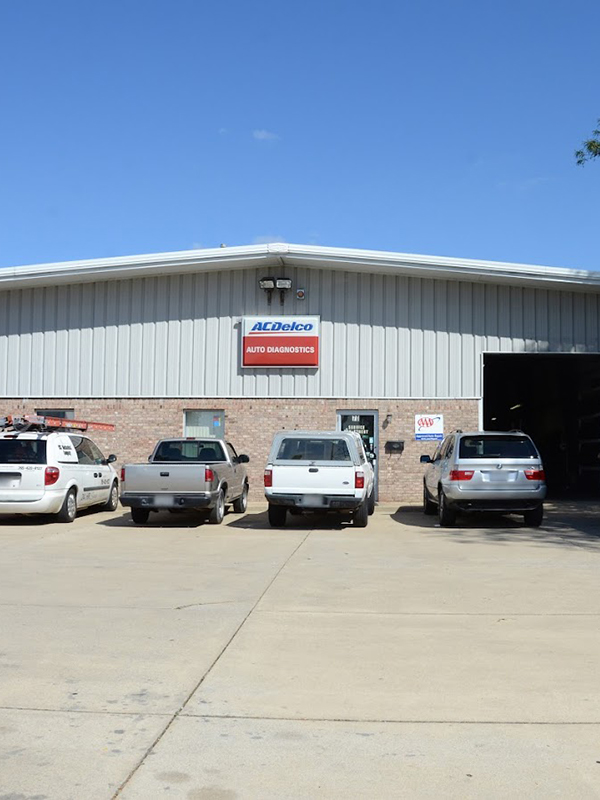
(284, 284)
(267, 284)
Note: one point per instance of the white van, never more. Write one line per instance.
(54, 473)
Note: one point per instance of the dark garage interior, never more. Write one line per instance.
(554, 398)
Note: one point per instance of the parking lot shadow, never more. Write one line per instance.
(574, 524)
(329, 522)
(162, 519)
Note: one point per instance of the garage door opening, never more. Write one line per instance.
(556, 400)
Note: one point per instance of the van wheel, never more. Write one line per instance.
(428, 504)
(241, 504)
(361, 515)
(534, 517)
(140, 515)
(218, 512)
(113, 499)
(68, 511)
(447, 514)
(277, 515)
(372, 503)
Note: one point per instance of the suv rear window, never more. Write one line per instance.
(497, 447)
(304, 449)
(22, 451)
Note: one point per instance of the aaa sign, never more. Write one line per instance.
(280, 341)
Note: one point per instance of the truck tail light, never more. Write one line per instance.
(51, 475)
(268, 477)
(359, 480)
(122, 474)
(461, 474)
(209, 475)
(535, 474)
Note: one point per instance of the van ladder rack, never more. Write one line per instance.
(35, 422)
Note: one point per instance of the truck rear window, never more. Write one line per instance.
(198, 451)
(22, 451)
(497, 447)
(302, 449)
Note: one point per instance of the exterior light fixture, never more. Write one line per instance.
(284, 285)
(267, 285)
(388, 418)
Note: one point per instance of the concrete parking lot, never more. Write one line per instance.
(184, 660)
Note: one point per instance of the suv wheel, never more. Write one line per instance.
(447, 515)
(428, 504)
(534, 517)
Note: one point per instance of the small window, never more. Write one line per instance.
(204, 423)
(232, 454)
(61, 413)
(305, 449)
(84, 452)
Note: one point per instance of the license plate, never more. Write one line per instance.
(164, 500)
(312, 500)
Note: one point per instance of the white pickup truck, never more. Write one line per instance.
(193, 474)
(319, 471)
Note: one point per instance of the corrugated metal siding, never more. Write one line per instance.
(179, 335)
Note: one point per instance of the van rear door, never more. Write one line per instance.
(22, 469)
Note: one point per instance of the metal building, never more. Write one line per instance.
(399, 336)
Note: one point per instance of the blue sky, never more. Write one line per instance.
(443, 128)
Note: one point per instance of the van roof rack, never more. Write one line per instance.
(37, 422)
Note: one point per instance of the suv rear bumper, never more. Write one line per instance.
(158, 502)
(494, 505)
(334, 502)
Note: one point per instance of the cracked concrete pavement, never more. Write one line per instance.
(191, 661)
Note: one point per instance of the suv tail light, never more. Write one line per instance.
(461, 474)
(51, 475)
(209, 475)
(535, 474)
(268, 477)
(122, 474)
(359, 480)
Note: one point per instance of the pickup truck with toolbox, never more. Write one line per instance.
(319, 471)
(187, 474)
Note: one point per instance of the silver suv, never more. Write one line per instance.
(484, 471)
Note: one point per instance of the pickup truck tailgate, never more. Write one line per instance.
(316, 479)
(158, 478)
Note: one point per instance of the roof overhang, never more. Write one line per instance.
(280, 255)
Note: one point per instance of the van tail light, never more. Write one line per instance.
(268, 478)
(209, 475)
(51, 475)
(535, 474)
(359, 480)
(122, 474)
(461, 474)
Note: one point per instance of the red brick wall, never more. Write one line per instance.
(250, 425)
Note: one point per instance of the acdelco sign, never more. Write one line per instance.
(280, 341)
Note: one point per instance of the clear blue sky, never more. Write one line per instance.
(443, 128)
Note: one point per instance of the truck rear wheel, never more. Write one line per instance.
(241, 503)
(140, 515)
(277, 515)
(361, 515)
(218, 512)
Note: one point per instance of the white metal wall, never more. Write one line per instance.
(179, 336)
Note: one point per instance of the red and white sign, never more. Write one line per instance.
(280, 341)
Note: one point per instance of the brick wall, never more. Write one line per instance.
(250, 425)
